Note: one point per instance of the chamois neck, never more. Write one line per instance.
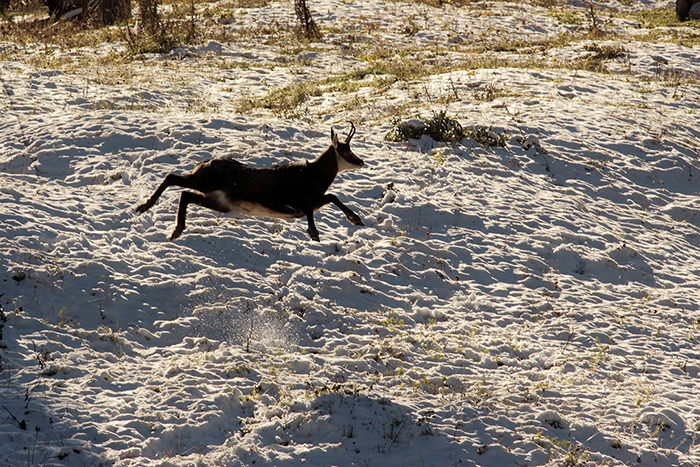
(326, 162)
(322, 171)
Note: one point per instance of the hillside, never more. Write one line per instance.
(526, 295)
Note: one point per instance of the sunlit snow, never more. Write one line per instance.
(526, 305)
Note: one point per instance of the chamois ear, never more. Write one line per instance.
(334, 138)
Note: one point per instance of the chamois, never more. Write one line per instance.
(286, 191)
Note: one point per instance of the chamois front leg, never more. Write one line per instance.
(170, 180)
(329, 198)
(352, 217)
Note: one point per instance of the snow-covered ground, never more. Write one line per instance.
(527, 305)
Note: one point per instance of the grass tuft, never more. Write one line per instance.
(662, 17)
(285, 101)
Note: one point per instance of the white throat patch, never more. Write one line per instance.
(343, 164)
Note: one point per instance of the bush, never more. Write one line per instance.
(487, 136)
(401, 131)
(440, 127)
(444, 129)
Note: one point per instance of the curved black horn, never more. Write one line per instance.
(352, 132)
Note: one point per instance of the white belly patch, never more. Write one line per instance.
(250, 208)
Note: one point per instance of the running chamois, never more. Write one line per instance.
(287, 191)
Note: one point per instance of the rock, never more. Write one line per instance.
(388, 198)
(685, 7)
(213, 46)
(694, 11)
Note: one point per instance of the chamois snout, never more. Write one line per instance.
(355, 161)
(348, 160)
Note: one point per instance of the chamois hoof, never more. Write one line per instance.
(142, 208)
(176, 233)
(357, 221)
(314, 236)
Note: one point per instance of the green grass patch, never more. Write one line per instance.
(672, 35)
(443, 128)
(568, 16)
(596, 61)
(663, 17)
(285, 101)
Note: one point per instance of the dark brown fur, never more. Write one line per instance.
(286, 191)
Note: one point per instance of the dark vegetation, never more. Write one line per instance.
(69, 22)
(440, 127)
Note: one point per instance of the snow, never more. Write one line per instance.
(526, 305)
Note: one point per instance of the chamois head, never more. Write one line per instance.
(344, 156)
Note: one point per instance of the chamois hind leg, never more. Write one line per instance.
(196, 180)
(312, 230)
(352, 217)
(189, 197)
(170, 180)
